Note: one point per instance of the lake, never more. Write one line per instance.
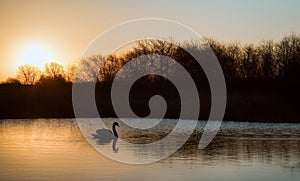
(54, 149)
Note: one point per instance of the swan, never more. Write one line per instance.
(105, 136)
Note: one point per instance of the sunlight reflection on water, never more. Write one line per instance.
(54, 149)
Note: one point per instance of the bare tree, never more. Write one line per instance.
(88, 69)
(110, 68)
(270, 65)
(28, 74)
(70, 72)
(54, 70)
(289, 55)
(251, 63)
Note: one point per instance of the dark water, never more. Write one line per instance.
(54, 149)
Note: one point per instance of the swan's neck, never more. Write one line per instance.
(115, 131)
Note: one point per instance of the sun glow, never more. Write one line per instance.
(35, 54)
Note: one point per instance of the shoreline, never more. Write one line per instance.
(73, 118)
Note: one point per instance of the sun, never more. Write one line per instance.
(35, 54)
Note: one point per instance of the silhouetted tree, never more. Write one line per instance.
(70, 72)
(110, 68)
(28, 74)
(289, 55)
(151, 49)
(220, 51)
(53, 70)
(88, 69)
(270, 64)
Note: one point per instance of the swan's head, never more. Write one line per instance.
(116, 124)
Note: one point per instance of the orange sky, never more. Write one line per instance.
(65, 28)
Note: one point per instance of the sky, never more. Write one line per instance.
(60, 31)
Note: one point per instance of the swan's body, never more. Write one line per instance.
(105, 136)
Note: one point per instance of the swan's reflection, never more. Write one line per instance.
(105, 136)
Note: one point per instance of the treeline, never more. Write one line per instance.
(268, 60)
(52, 73)
(262, 80)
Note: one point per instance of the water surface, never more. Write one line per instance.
(54, 149)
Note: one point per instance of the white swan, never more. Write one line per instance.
(105, 136)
